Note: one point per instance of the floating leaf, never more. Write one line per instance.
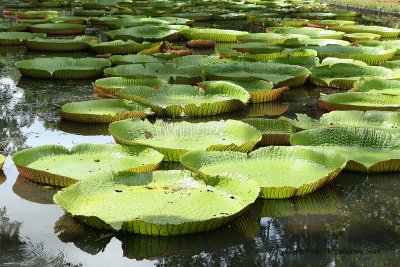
(365, 149)
(359, 101)
(184, 204)
(57, 165)
(63, 67)
(175, 139)
(184, 100)
(103, 111)
(305, 169)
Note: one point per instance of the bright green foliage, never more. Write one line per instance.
(368, 119)
(57, 165)
(281, 172)
(365, 149)
(278, 74)
(176, 138)
(378, 86)
(103, 111)
(359, 101)
(63, 67)
(184, 100)
(344, 75)
(184, 204)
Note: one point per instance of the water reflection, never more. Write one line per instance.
(266, 109)
(15, 251)
(86, 129)
(34, 192)
(140, 247)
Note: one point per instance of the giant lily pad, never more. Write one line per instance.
(135, 59)
(378, 86)
(37, 14)
(278, 74)
(355, 37)
(359, 101)
(17, 38)
(270, 38)
(112, 85)
(58, 28)
(260, 91)
(367, 119)
(365, 149)
(169, 72)
(216, 35)
(63, 67)
(281, 172)
(274, 132)
(314, 33)
(296, 42)
(185, 100)
(175, 139)
(184, 204)
(344, 75)
(384, 32)
(56, 44)
(370, 55)
(103, 111)
(120, 47)
(144, 33)
(57, 165)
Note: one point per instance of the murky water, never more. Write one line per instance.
(353, 222)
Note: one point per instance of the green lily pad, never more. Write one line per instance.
(296, 42)
(272, 38)
(112, 85)
(344, 75)
(58, 28)
(120, 47)
(17, 38)
(175, 139)
(216, 35)
(314, 33)
(274, 132)
(278, 74)
(365, 149)
(103, 111)
(378, 86)
(40, 44)
(368, 119)
(168, 71)
(184, 204)
(281, 172)
(330, 22)
(355, 37)
(135, 59)
(384, 32)
(359, 101)
(63, 67)
(144, 33)
(184, 100)
(370, 55)
(57, 165)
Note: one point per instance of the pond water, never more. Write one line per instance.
(353, 222)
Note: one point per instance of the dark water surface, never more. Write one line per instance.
(353, 222)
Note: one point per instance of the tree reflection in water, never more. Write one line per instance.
(18, 252)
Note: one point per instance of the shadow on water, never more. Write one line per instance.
(34, 192)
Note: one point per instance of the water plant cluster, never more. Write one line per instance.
(171, 82)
